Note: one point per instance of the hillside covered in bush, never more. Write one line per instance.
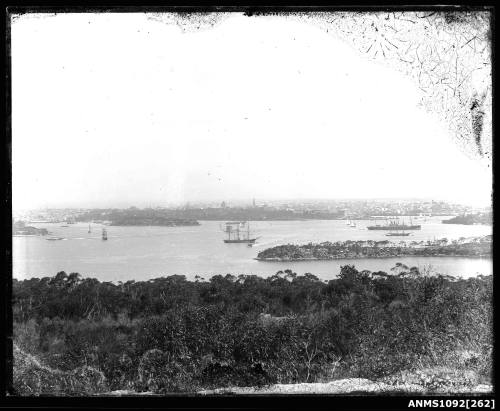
(472, 247)
(173, 335)
(470, 219)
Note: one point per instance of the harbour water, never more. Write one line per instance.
(141, 253)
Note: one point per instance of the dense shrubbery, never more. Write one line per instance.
(170, 334)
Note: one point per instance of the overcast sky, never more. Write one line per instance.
(118, 110)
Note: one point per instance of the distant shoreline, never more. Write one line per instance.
(154, 225)
(364, 257)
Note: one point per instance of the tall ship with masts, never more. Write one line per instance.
(238, 232)
(395, 225)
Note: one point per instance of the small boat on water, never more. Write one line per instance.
(396, 234)
(104, 234)
(89, 229)
(54, 238)
(350, 222)
(65, 226)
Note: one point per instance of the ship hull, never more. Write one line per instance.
(399, 227)
(248, 241)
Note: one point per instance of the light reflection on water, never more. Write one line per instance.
(140, 253)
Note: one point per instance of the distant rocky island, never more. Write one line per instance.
(470, 219)
(152, 221)
(20, 228)
(135, 217)
(472, 247)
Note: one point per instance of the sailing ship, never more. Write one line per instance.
(350, 222)
(395, 225)
(238, 232)
(104, 234)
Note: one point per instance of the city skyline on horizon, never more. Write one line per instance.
(262, 202)
(177, 123)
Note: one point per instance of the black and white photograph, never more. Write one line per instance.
(224, 202)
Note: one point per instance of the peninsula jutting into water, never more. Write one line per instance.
(20, 228)
(470, 219)
(473, 247)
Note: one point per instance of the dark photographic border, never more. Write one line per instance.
(181, 401)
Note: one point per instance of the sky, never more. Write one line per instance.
(117, 110)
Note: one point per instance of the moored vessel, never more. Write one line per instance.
(238, 232)
(395, 225)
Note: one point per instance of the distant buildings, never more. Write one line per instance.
(276, 209)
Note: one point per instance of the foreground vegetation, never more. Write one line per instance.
(82, 336)
(474, 247)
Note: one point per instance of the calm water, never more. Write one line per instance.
(138, 253)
